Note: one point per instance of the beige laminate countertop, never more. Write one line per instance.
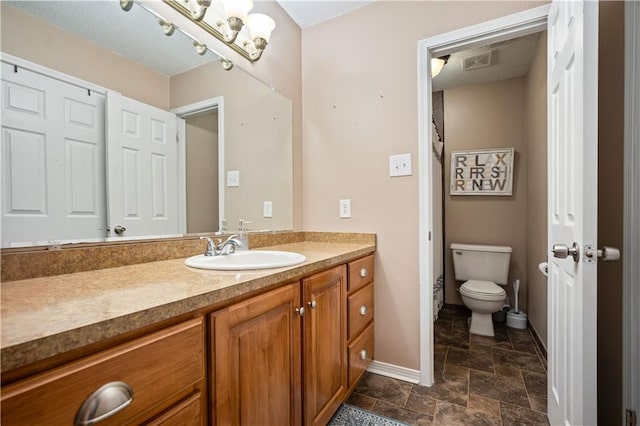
(44, 317)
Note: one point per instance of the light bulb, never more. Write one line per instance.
(436, 66)
(260, 26)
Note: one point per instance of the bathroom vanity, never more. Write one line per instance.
(166, 344)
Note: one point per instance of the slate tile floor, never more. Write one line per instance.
(480, 380)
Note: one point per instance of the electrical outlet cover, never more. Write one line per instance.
(233, 178)
(345, 208)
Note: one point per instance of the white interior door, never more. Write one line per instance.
(53, 184)
(573, 139)
(142, 169)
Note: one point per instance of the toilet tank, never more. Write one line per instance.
(480, 262)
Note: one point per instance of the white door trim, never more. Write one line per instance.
(504, 28)
(195, 108)
(631, 244)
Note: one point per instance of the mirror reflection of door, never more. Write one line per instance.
(202, 171)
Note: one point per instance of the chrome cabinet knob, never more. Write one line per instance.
(364, 310)
(364, 354)
(119, 229)
(363, 272)
(300, 310)
(312, 304)
(104, 403)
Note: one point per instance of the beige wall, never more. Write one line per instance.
(535, 98)
(257, 142)
(360, 106)
(480, 117)
(610, 208)
(32, 39)
(202, 172)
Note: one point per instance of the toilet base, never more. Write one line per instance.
(481, 324)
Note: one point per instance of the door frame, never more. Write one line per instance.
(182, 113)
(631, 221)
(500, 29)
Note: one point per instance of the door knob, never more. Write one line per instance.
(607, 254)
(561, 251)
(119, 229)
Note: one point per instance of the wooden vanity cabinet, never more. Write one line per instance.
(165, 370)
(325, 328)
(256, 360)
(360, 317)
(289, 356)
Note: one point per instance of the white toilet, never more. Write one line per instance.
(481, 268)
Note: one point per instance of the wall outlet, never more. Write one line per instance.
(400, 165)
(268, 209)
(345, 208)
(233, 178)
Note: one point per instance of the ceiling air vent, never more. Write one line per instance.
(475, 62)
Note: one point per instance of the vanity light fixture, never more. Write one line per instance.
(169, 28)
(226, 19)
(437, 64)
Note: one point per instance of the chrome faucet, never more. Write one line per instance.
(222, 248)
(229, 246)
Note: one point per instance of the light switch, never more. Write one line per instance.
(268, 209)
(400, 165)
(345, 208)
(233, 178)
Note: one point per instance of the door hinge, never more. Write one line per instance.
(631, 419)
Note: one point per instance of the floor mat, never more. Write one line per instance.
(348, 415)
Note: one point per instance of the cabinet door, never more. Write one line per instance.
(325, 371)
(256, 360)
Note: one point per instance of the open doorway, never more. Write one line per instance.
(201, 174)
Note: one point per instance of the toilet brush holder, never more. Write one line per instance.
(516, 319)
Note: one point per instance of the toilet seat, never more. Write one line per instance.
(482, 290)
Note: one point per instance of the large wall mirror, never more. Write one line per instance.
(232, 159)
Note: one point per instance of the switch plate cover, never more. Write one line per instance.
(268, 209)
(400, 165)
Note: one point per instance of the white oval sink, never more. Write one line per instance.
(242, 260)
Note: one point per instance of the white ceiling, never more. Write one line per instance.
(509, 59)
(310, 12)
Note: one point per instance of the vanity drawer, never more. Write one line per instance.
(360, 310)
(185, 413)
(360, 355)
(360, 273)
(156, 367)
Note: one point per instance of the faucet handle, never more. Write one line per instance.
(210, 246)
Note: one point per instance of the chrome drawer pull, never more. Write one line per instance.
(364, 272)
(364, 354)
(364, 310)
(104, 403)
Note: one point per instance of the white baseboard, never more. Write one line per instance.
(394, 371)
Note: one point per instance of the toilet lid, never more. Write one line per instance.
(483, 287)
